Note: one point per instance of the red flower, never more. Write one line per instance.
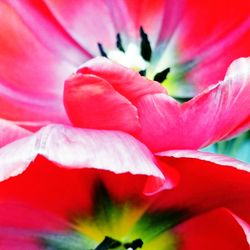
(42, 43)
(105, 190)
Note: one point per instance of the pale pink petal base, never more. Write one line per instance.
(221, 160)
(79, 148)
(10, 132)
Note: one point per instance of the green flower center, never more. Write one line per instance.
(116, 225)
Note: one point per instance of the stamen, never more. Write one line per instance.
(119, 42)
(108, 243)
(134, 244)
(161, 76)
(142, 72)
(101, 49)
(146, 50)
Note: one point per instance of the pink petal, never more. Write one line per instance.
(125, 81)
(43, 25)
(214, 230)
(221, 35)
(81, 19)
(91, 102)
(31, 76)
(10, 132)
(211, 116)
(79, 148)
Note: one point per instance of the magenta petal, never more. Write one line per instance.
(91, 102)
(78, 148)
(213, 115)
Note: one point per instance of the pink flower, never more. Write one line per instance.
(43, 43)
(129, 175)
(104, 95)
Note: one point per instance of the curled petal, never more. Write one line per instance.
(245, 226)
(213, 115)
(125, 81)
(91, 102)
(209, 157)
(207, 182)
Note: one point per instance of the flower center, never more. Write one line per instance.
(136, 57)
(157, 65)
(116, 225)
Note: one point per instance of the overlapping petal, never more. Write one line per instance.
(102, 95)
(77, 148)
(209, 117)
(207, 182)
(56, 168)
(91, 102)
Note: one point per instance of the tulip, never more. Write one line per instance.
(104, 158)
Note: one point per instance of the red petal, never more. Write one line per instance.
(205, 185)
(91, 102)
(221, 35)
(215, 230)
(60, 191)
(31, 76)
(213, 115)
